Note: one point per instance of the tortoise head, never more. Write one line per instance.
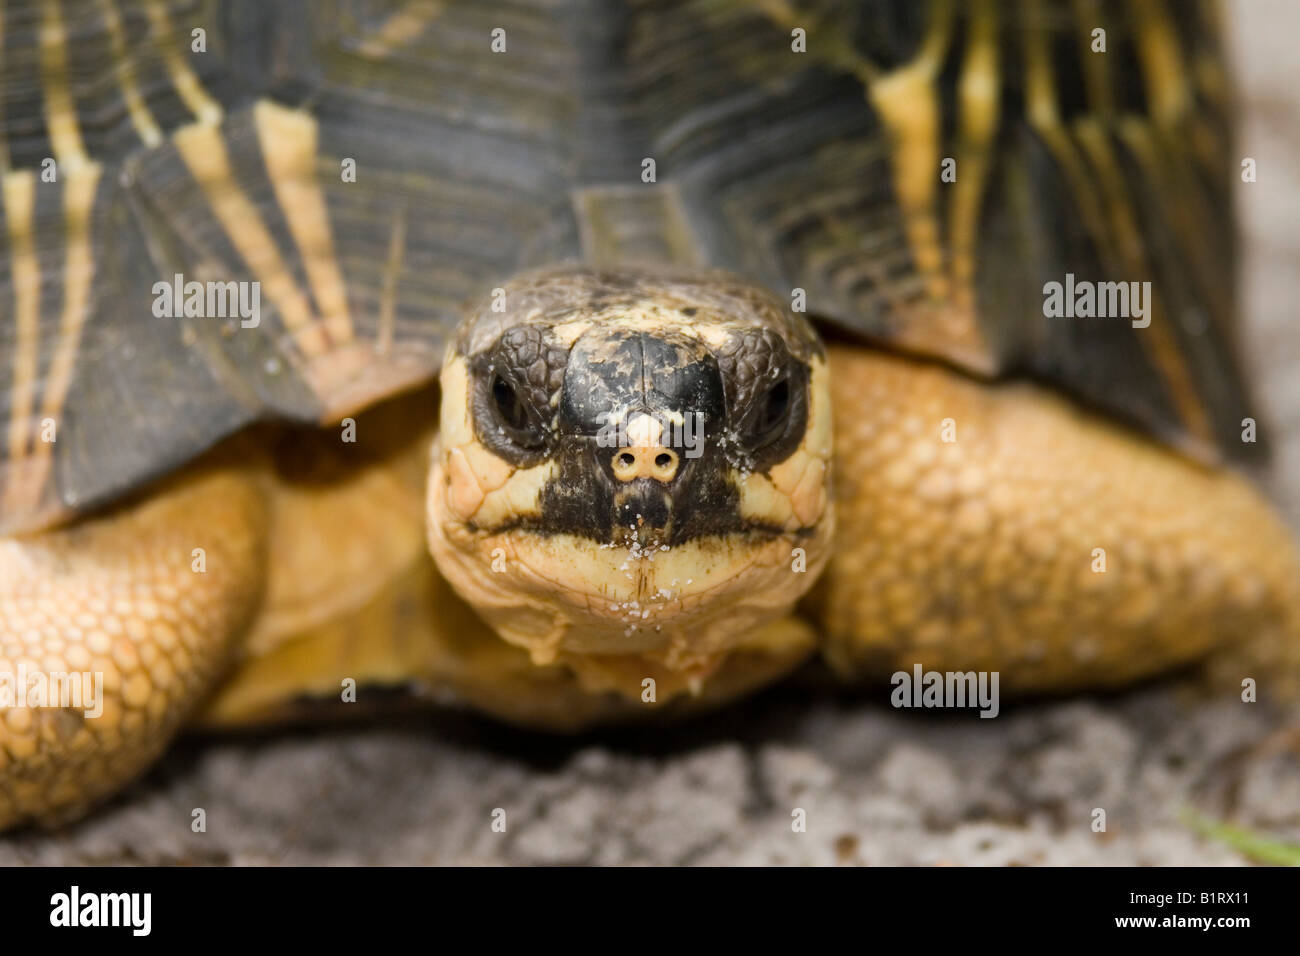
(631, 462)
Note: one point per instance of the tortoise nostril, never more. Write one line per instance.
(665, 466)
(658, 463)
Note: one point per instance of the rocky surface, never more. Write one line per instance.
(876, 786)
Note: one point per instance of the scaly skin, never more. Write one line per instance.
(118, 596)
(978, 554)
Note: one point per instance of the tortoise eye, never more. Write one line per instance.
(513, 394)
(505, 399)
(512, 420)
(776, 407)
(767, 397)
(774, 418)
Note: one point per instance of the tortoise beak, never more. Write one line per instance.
(643, 513)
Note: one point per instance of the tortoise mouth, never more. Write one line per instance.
(643, 516)
(567, 594)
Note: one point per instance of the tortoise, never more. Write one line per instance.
(581, 361)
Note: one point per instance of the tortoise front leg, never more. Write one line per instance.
(1000, 528)
(117, 627)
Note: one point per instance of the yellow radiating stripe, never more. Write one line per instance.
(288, 139)
(978, 93)
(20, 213)
(1211, 75)
(907, 101)
(204, 153)
(78, 271)
(401, 27)
(1040, 89)
(1169, 175)
(829, 42)
(124, 66)
(1157, 338)
(1173, 86)
(1114, 230)
(1096, 66)
(60, 110)
(1045, 117)
(1163, 69)
(188, 87)
(392, 269)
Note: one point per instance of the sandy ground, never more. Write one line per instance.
(877, 786)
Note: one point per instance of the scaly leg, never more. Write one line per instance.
(147, 600)
(1039, 541)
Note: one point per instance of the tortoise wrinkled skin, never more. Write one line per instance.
(613, 360)
(671, 565)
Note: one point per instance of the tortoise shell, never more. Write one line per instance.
(910, 173)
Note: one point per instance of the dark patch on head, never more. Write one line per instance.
(584, 499)
(532, 400)
(608, 372)
(612, 376)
